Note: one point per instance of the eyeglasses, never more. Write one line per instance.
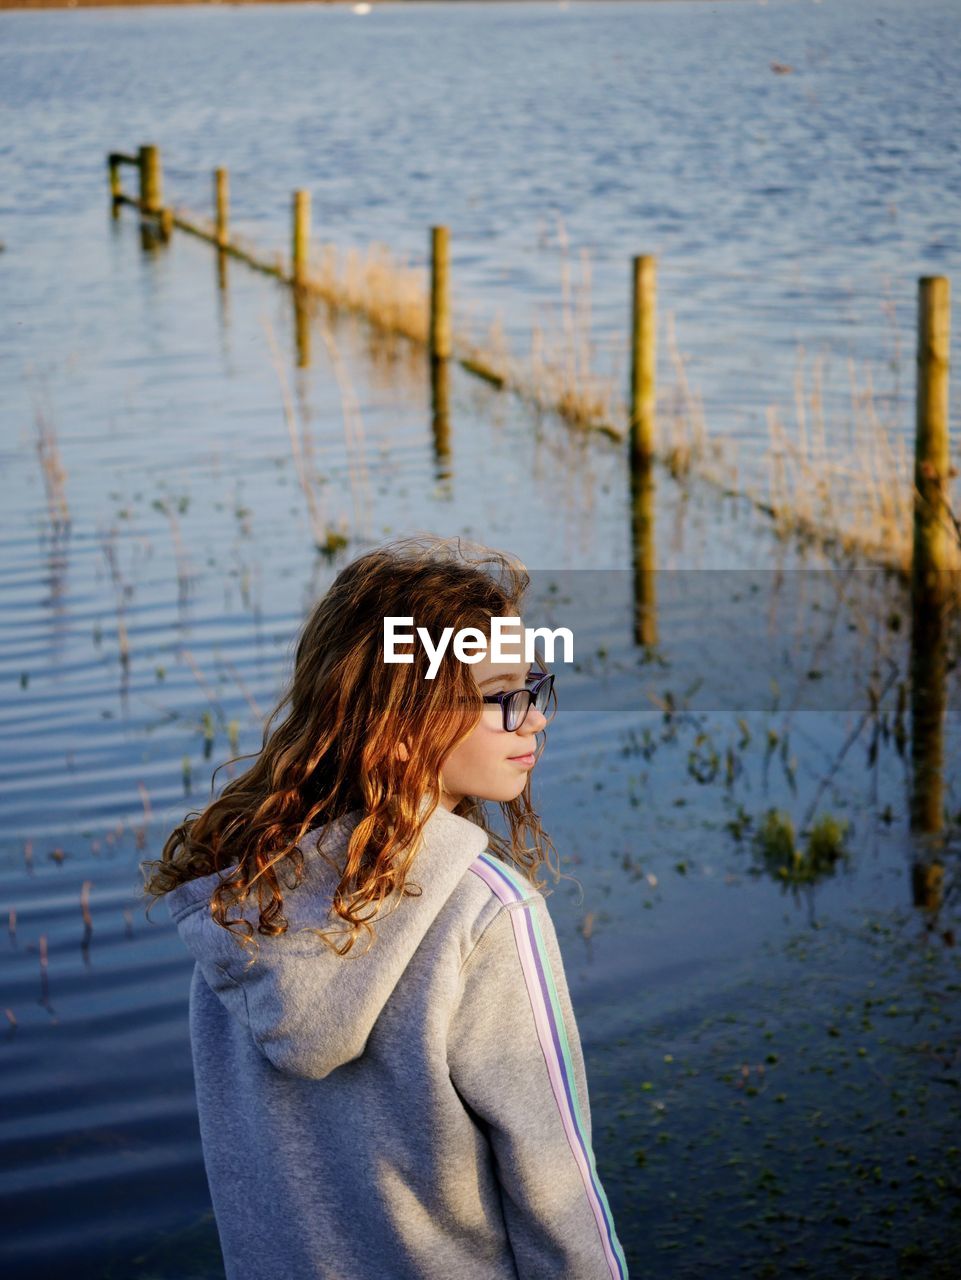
(516, 704)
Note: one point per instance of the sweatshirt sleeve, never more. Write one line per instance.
(515, 1058)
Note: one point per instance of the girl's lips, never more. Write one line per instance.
(527, 760)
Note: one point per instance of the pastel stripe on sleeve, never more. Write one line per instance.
(552, 1035)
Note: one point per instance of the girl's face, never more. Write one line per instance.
(491, 763)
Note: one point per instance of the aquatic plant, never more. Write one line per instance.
(123, 590)
(774, 839)
(826, 840)
(777, 850)
(53, 469)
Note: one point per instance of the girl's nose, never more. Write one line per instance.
(533, 722)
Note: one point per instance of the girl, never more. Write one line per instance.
(416, 1108)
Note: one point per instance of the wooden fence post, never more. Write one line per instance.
(931, 452)
(301, 236)
(643, 402)
(151, 181)
(930, 558)
(222, 205)
(440, 327)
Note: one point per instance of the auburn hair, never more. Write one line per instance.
(335, 750)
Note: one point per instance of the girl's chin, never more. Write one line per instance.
(503, 795)
(498, 790)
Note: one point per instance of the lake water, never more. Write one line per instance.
(774, 1073)
(787, 211)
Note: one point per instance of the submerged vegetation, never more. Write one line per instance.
(778, 852)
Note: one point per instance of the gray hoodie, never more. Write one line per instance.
(417, 1110)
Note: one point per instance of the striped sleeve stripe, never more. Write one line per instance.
(552, 1034)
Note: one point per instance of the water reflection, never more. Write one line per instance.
(929, 636)
(929, 670)
(151, 236)
(302, 315)
(644, 552)
(222, 281)
(440, 417)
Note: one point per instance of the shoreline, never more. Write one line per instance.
(14, 5)
(9, 5)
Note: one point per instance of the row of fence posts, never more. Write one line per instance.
(931, 582)
(440, 334)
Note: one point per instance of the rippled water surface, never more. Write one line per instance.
(774, 1072)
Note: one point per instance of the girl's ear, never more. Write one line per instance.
(401, 752)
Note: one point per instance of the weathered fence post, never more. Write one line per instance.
(222, 205)
(931, 451)
(440, 327)
(301, 236)
(151, 181)
(643, 401)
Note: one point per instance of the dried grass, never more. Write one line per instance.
(855, 495)
(562, 376)
(385, 290)
(53, 469)
(122, 591)
(491, 357)
(687, 447)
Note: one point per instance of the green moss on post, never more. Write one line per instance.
(440, 326)
(643, 399)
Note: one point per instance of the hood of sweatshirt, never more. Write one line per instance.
(308, 1009)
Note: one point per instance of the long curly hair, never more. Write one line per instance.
(335, 751)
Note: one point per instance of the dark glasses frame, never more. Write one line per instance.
(516, 703)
